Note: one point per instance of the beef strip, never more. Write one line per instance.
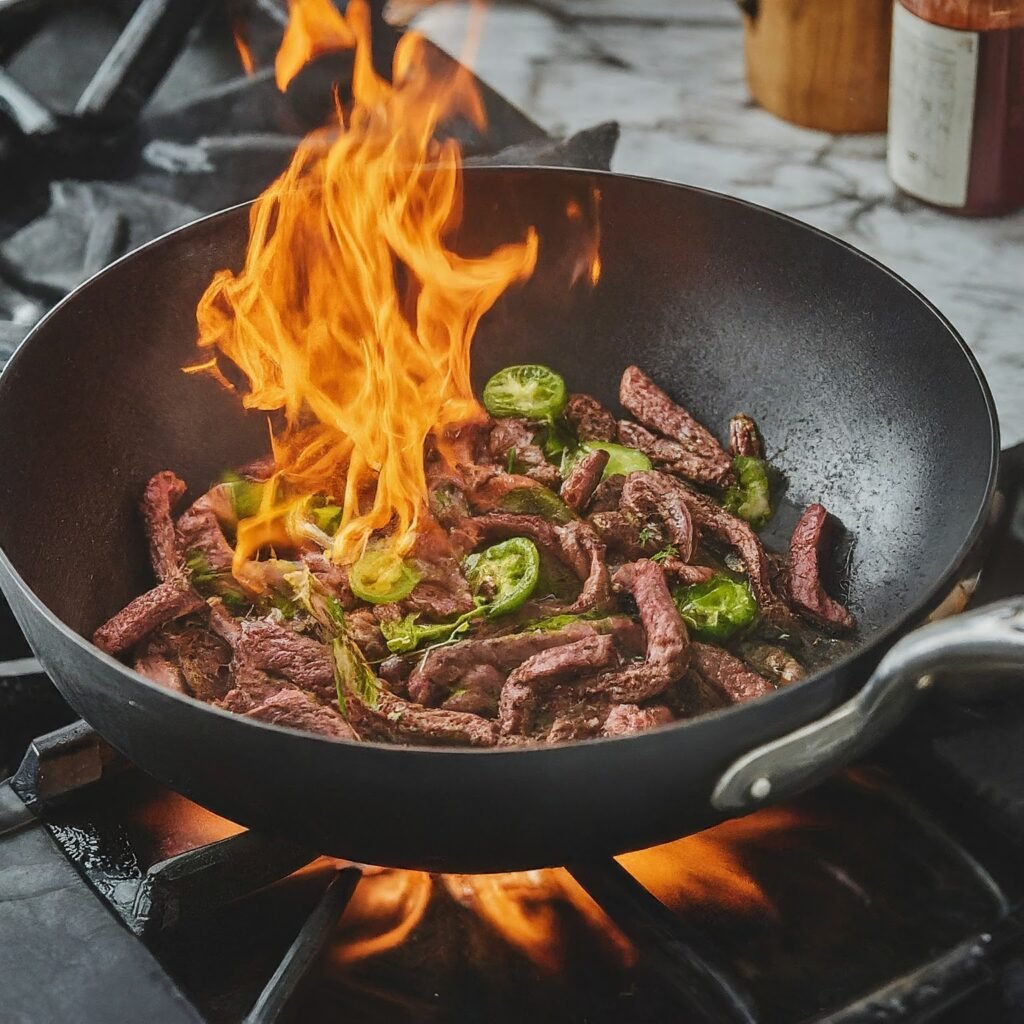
(399, 721)
(579, 486)
(729, 529)
(655, 496)
(333, 578)
(488, 486)
(589, 418)
(667, 652)
(282, 652)
(162, 493)
(806, 547)
(608, 494)
(543, 670)
(199, 657)
(573, 543)
(156, 666)
(573, 718)
(443, 668)
(666, 454)
(442, 592)
(654, 409)
(726, 675)
(511, 440)
(685, 575)
(362, 627)
(744, 437)
(628, 718)
(773, 662)
(297, 710)
(199, 533)
(145, 613)
(478, 692)
(626, 538)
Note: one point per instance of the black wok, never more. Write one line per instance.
(869, 399)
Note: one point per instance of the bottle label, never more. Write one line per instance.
(932, 83)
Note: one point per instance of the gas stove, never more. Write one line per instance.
(893, 893)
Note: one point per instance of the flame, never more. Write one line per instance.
(245, 54)
(351, 315)
(314, 27)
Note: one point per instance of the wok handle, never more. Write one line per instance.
(989, 641)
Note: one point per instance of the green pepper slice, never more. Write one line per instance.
(406, 634)
(326, 518)
(245, 495)
(531, 391)
(382, 577)
(621, 460)
(537, 501)
(751, 499)
(717, 609)
(502, 577)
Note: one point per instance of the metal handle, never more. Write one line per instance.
(989, 640)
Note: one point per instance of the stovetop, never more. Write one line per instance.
(893, 893)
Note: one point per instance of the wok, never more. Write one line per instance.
(868, 398)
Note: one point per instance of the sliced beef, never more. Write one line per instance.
(442, 592)
(398, 721)
(668, 455)
(145, 613)
(627, 718)
(579, 486)
(535, 676)
(744, 437)
(363, 628)
(156, 666)
(162, 493)
(727, 676)
(333, 578)
(297, 710)
(199, 658)
(487, 487)
(731, 530)
(625, 537)
(394, 670)
(443, 668)
(511, 441)
(806, 548)
(199, 534)
(589, 418)
(667, 652)
(683, 574)
(573, 718)
(656, 497)
(608, 494)
(282, 652)
(655, 410)
(773, 662)
(478, 692)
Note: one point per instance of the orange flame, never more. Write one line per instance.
(351, 314)
(245, 54)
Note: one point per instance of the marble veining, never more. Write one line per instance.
(671, 72)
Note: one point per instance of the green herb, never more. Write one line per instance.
(647, 535)
(511, 462)
(751, 499)
(209, 581)
(667, 552)
(717, 609)
(531, 391)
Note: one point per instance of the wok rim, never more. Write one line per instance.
(880, 642)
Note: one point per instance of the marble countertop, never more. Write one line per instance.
(671, 72)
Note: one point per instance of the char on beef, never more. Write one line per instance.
(579, 486)
(511, 444)
(668, 645)
(589, 418)
(729, 677)
(147, 612)
(655, 410)
(810, 538)
(543, 670)
(162, 493)
(628, 718)
(655, 497)
(744, 437)
(297, 710)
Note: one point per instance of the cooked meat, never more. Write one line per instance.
(669, 455)
(726, 675)
(442, 592)
(655, 497)
(810, 538)
(654, 409)
(626, 538)
(608, 494)
(478, 692)
(685, 575)
(511, 445)
(543, 670)
(158, 668)
(731, 530)
(443, 668)
(667, 652)
(399, 721)
(626, 718)
(198, 658)
(487, 486)
(333, 578)
(589, 418)
(297, 710)
(577, 719)
(162, 493)
(363, 628)
(579, 486)
(744, 437)
(773, 662)
(147, 612)
(200, 536)
(282, 652)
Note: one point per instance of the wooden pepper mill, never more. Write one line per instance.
(820, 63)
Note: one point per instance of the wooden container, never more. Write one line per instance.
(820, 63)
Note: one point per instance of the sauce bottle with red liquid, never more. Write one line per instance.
(956, 103)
